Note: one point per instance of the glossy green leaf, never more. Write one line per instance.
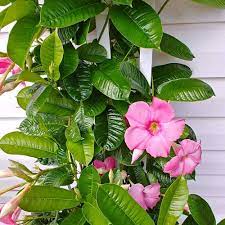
(120, 106)
(83, 151)
(173, 202)
(138, 175)
(222, 222)
(88, 182)
(52, 55)
(140, 24)
(93, 215)
(78, 85)
(120, 208)
(123, 2)
(75, 217)
(92, 52)
(95, 105)
(109, 129)
(21, 38)
(17, 143)
(55, 104)
(214, 3)
(189, 221)
(67, 33)
(62, 13)
(38, 100)
(136, 78)
(109, 80)
(82, 32)
(72, 132)
(16, 11)
(47, 198)
(172, 71)
(185, 90)
(5, 2)
(201, 211)
(175, 47)
(70, 61)
(31, 77)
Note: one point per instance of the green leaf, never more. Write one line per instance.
(120, 106)
(67, 33)
(109, 129)
(138, 175)
(21, 38)
(140, 24)
(55, 104)
(47, 198)
(88, 182)
(17, 143)
(185, 89)
(38, 100)
(214, 3)
(222, 222)
(70, 61)
(78, 85)
(201, 211)
(72, 132)
(168, 72)
(123, 2)
(92, 52)
(93, 215)
(173, 202)
(62, 13)
(60, 176)
(5, 2)
(109, 80)
(16, 11)
(82, 32)
(52, 55)
(83, 151)
(189, 221)
(176, 48)
(75, 217)
(136, 78)
(31, 77)
(95, 105)
(120, 208)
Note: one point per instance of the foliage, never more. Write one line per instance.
(76, 103)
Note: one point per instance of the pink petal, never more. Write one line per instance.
(137, 153)
(136, 137)
(174, 167)
(99, 164)
(16, 70)
(152, 202)
(161, 111)
(173, 129)
(158, 146)
(189, 166)
(138, 114)
(190, 146)
(110, 163)
(136, 191)
(4, 64)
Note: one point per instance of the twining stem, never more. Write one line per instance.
(12, 188)
(163, 6)
(104, 27)
(4, 76)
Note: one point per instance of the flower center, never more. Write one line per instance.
(154, 128)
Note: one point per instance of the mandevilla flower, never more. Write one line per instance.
(188, 156)
(152, 128)
(147, 197)
(5, 64)
(103, 167)
(10, 218)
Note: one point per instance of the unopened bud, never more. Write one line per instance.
(111, 176)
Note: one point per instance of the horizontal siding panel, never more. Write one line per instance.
(9, 125)
(213, 107)
(210, 131)
(186, 11)
(209, 60)
(208, 186)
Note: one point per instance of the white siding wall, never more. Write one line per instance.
(203, 29)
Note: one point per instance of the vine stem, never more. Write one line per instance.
(128, 53)
(163, 6)
(104, 27)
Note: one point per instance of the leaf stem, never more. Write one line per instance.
(163, 6)
(104, 27)
(128, 53)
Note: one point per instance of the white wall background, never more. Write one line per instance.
(203, 30)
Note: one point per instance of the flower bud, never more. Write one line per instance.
(111, 176)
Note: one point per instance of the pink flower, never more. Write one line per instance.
(10, 218)
(152, 128)
(188, 156)
(103, 167)
(147, 197)
(4, 65)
